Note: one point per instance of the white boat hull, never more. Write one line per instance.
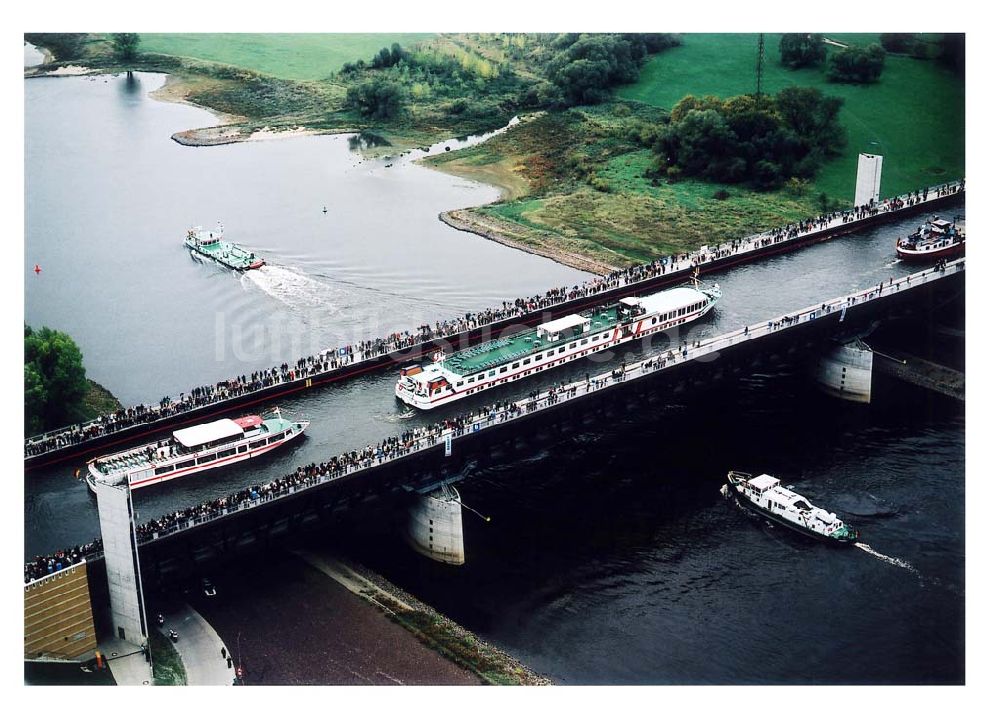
(218, 463)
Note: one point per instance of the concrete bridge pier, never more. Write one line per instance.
(434, 527)
(845, 371)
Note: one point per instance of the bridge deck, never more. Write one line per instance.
(330, 365)
(436, 436)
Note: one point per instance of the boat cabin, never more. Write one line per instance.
(630, 307)
(214, 433)
(572, 325)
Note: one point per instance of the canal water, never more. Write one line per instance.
(611, 557)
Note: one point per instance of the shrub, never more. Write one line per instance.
(802, 50)
(857, 65)
(379, 99)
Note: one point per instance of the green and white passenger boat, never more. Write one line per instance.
(551, 344)
(211, 245)
(764, 495)
(196, 448)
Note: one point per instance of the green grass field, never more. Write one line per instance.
(292, 56)
(914, 116)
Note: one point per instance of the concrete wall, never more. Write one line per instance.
(120, 557)
(58, 622)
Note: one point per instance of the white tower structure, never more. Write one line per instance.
(869, 179)
(121, 558)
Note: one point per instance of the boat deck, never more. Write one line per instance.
(511, 348)
(229, 254)
(140, 456)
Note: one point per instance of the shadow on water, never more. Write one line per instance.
(131, 86)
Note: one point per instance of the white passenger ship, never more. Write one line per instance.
(194, 449)
(767, 497)
(572, 337)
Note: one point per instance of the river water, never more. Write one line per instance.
(611, 557)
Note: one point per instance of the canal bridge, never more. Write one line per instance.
(332, 366)
(177, 545)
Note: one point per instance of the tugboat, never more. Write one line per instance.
(194, 449)
(767, 497)
(210, 245)
(933, 240)
(559, 341)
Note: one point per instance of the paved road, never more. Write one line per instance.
(200, 648)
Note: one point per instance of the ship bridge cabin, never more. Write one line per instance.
(565, 327)
(630, 307)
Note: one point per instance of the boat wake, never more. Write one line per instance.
(894, 561)
(893, 262)
(297, 291)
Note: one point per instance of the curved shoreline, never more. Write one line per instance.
(462, 220)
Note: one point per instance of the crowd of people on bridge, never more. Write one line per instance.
(402, 341)
(407, 442)
(42, 566)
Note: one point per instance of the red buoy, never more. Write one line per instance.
(38, 269)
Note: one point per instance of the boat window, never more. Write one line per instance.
(207, 458)
(551, 353)
(242, 448)
(802, 504)
(502, 369)
(538, 357)
(257, 444)
(226, 452)
(573, 345)
(515, 365)
(561, 349)
(482, 376)
(460, 383)
(164, 469)
(493, 373)
(288, 433)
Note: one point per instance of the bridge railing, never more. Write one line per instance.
(218, 395)
(503, 412)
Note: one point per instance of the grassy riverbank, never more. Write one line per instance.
(98, 400)
(576, 180)
(578, 183)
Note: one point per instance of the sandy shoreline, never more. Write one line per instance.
(463, 220)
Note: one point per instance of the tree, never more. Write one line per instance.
(952, 53)
(54, 379)
(378, 98)
(902, 43)
(64, 46)
(125, 45)
(802, 50)
(857, 65)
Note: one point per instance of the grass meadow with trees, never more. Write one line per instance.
(612, 162)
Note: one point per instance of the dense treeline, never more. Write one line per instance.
(763, 141)
(587, 67)
(54, 379)
(63, 46)
(576, 68)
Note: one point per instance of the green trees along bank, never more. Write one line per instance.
(56, 389)
(764, 141)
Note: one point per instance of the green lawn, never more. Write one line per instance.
(914, 116)
(293, 56)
